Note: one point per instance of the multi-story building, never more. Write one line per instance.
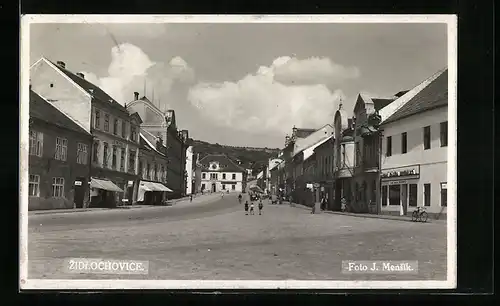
(220, 174)
(163, 124)
(325, 164)
(414, 151)
(196, 171)
(366, 151)
(344, 161)
(153, 164)
(115, 149)
(272, 179)
(59, 158)
(189, 170)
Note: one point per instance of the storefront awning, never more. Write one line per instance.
(152, 186)
(105, 185)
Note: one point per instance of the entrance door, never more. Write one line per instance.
(404, 198)
(79, 186)
(213, 187)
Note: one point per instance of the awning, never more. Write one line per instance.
(105, 185)
(152, 186)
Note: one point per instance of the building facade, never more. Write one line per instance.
(344, 161)
(59, 158)
(324, 154)
(115, 148)
(220, 174)
(190, 162)
(164, 125)
(414, 152)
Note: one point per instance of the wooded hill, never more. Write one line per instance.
(250, 157)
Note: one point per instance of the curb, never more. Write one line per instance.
(385, 217)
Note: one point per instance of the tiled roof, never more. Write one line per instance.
(303, 133)
(41, 109)
(92, 89)
(433, 96)
(401, 93)
(227, 165)
(381, 103)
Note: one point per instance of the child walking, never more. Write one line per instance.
(252, 212)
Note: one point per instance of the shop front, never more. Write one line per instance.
(399, 190)
(152, 193)
(104, 193)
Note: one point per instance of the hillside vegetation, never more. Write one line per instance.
(250, 157)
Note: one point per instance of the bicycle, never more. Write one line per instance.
(419, 215)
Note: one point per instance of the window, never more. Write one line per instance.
(147, 170)
(203, 175)
(124, 129)
(131, 160)
(358, 155)
(97, 122)
(388, 149)
(82, 154)
(413, 195)
(427, 194)
(223, 176)
(444, 195)
(404, 143)
(233, 187)
(105, 156)
(343, 156)
(384, 195)
(202, 186)
(427, 138)
(36, 143)
(162, 172)
(443, 133)
(95, 154)
(106, 122)
(58, 187)
(115, 159)
(223, 187)
(34, 185)
(115, 127)
(133, 133)
(394, 195)
(234, 176)
(61, 149)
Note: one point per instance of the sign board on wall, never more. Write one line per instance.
(444, 186)
(78, 183)
(130, 183)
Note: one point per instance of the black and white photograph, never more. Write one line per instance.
(227, 151)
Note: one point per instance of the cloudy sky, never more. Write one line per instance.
(246, 84)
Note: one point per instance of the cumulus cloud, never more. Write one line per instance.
(131, 68)
(261, 103)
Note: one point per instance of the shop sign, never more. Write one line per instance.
(130, 183)
(78, 183)
(444, 186)
(403, 171)
(399, 182)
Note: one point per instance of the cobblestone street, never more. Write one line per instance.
(283, 243)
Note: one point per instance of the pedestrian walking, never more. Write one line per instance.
(246, 208)
(239, 198)
(191, 198)
(222, 194)
(343, 204)
(261, 205)
(252, 211)
(313, 210)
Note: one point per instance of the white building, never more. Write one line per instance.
(414, 152)
(189, 170)
(220, 174)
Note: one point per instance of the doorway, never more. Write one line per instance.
(79, 186)
(214, 189)
(404, 199)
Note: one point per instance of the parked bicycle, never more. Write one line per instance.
(419, 215)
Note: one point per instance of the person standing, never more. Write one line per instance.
(261, 205)
(252, 211)
(239, 198)
(246, 208)
(191, 198)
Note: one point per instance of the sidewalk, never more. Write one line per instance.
(77, 210)
(366, 215)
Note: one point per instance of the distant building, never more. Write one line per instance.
(220, 174)
(59, 158)
(115, 150)
(189, 170)
(325, 165)
(415, 151)
(164, 125)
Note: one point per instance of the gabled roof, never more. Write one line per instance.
(304, 132)
(319, 134)
(222, 159)
(380, 103)
(434, 95)
(310, 151)
(148, 141)
(92, 89)
(41, 109)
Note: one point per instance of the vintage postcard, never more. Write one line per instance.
(231, 152)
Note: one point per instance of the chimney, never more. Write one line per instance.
(294, 131)
(80, 75)
(136, 95)
(185, 134)
(61, 64)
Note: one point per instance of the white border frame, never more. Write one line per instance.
(450, 283)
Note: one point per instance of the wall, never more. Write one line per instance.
(433, 162)
(189, 169)
(48, 168)
(63, 94)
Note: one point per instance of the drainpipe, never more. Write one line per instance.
(379, 181)
(91, 155)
